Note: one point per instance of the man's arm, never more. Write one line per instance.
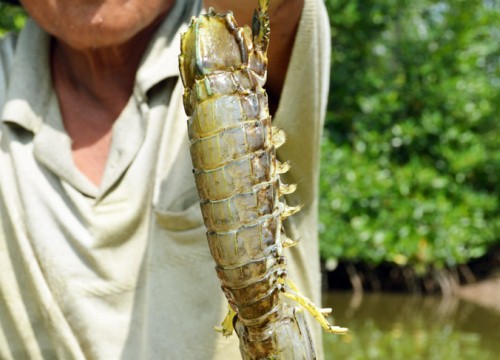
(284, 16)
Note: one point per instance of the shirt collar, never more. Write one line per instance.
(161, 59)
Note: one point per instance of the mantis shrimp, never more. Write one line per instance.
(233, 150)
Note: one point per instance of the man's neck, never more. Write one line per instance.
(93, 86)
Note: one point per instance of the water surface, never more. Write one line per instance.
(401, 326)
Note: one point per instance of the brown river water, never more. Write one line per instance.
(401, 326)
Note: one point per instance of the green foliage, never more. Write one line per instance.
(12, 18)
(411, 154)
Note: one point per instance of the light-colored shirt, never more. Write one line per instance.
(122, 270)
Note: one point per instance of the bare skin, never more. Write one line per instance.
(97, 47)
(90, 105)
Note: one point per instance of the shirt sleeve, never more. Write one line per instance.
(301, 115)
(303, 100)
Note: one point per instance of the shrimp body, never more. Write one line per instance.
(233, 150)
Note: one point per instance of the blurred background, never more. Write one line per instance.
(410, 191)
(411, 152)
(410, 212)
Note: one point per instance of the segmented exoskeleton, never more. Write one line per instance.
(233, 149)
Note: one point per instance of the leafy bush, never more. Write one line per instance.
(12, 18)
(411, 154)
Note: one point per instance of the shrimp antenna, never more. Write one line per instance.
(260, 26)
